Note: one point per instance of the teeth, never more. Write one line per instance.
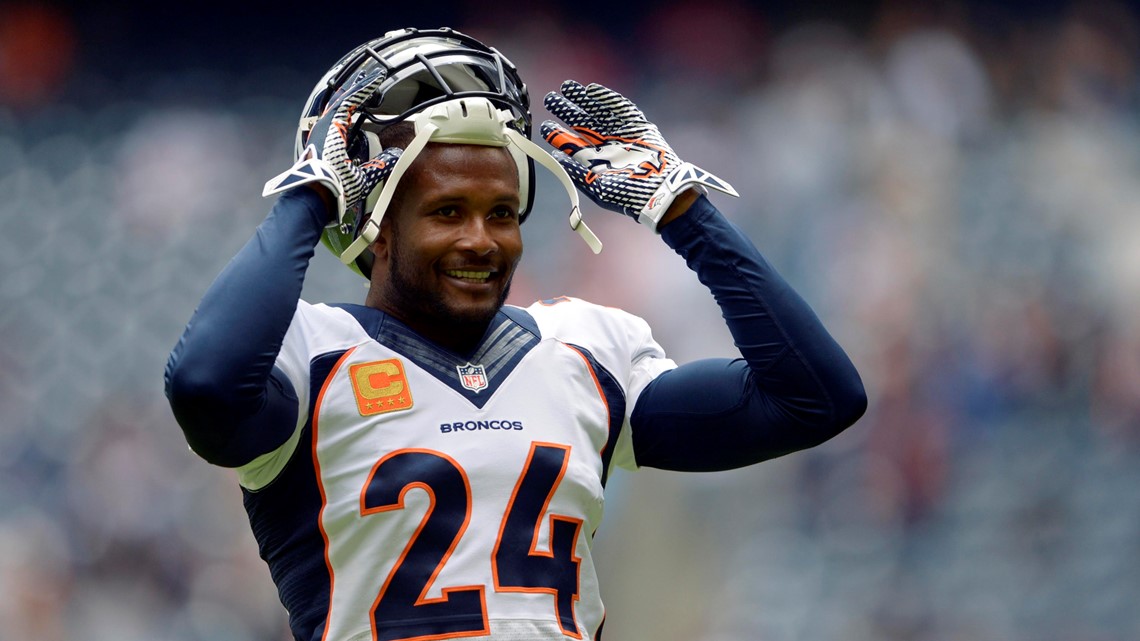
(468, 275)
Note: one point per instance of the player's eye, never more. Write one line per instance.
(448, 211)
(503, 213)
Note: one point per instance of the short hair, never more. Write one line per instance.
(397, 135)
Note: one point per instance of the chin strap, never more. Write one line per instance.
(470, 121)
(371, 229)
(544, 159)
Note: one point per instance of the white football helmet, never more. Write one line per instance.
(431, 74)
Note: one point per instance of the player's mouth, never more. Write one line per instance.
(476, 276)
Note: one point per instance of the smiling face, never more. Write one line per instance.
(449, 243)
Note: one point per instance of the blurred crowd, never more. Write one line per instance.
(954, 188)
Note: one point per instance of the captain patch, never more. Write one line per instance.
(380, 387)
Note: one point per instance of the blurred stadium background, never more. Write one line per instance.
(955, 188)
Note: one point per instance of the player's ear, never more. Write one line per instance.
(381, 247)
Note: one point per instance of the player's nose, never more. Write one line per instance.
(477, 236)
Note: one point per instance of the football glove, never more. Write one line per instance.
(327, 160)
(617, 157)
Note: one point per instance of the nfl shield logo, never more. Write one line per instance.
(472, 377)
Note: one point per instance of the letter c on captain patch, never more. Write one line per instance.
(380, 387)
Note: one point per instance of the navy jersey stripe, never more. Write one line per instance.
(523, 319)
(615, 401)
(285, 519)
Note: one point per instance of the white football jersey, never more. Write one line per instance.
(453, 497)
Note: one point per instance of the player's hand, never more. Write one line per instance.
(326, 159)
(617, 157)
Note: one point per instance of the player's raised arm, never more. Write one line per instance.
(795, 387)
(231, 401)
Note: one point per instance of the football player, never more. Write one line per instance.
(431, 464)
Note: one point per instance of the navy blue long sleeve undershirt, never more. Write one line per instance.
(794, 388)
(220, 378)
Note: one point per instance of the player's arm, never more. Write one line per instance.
(230, 399)
(793, 388)
(231, 402)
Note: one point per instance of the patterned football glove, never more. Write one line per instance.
(617, 157)
(327, 159)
